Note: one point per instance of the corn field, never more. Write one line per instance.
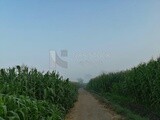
(27, 94)
(141, 84)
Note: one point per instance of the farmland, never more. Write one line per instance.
(27, 94)
(134, 88)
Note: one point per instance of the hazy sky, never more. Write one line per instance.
(100, 35)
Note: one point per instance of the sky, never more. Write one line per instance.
(99, 36)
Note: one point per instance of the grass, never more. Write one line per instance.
(113, 103)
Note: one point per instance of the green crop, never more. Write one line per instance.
(27, 94)
(141, 83)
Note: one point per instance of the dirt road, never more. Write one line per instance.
(88, 108)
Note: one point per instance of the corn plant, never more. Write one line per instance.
(28, 94)
(141, 83)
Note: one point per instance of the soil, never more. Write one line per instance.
(89, 108)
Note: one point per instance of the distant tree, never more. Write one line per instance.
(80, 81)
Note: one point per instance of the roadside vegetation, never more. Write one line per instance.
(137, 89)
(27, 94)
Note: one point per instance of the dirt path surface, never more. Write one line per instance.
(88, 108)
